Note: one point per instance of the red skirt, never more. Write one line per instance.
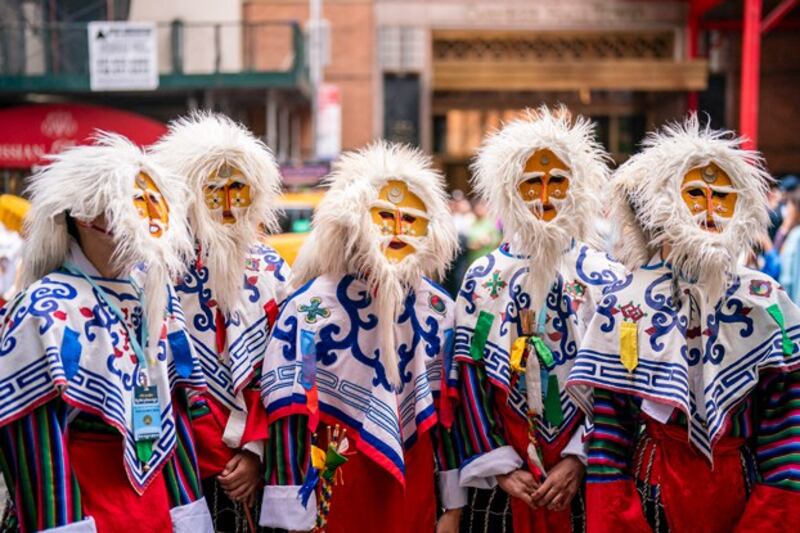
(371, 499)
(106, 492)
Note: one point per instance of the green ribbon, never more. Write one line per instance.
(144, 450)
(775, 312)
(481, 335)
(543, 351)
(552, 403)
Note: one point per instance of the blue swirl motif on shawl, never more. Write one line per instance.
(44, 301)
(273, 263)
(559, 303)
(519, 300)
(430, 336)
(666, 316)
(195, 282)
(348, 341)
(605, 276)
(470, 284)
(737, 314)
(608, 306)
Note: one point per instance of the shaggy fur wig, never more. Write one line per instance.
(195, 148)
(344, 240)
(88, 181)
(650, 212)
(498, 171)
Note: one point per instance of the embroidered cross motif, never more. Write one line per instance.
(495, 284)
(252, 264)
(314, 310)
(759, 287)
(437, 304)
(632, 312)
(576, 289)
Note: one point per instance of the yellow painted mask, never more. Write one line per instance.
(227, 195)
(709, 190)
(545, 183)
(399, 213)
(150, 204)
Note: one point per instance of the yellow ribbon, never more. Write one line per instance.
(317, 457)
(628, 349)
(517, 351)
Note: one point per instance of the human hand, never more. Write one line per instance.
(449, 521)
(561, 485)
(519, 484)
(239, 479)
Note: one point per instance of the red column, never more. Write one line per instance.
(751, 59)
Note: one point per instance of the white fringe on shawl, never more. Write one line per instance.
(88, 181)
(194, 149)
(650, 213)
(344, 240)
(498, 171)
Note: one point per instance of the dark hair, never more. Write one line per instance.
(72, 228)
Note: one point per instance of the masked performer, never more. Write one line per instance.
(521, 312)
(692, 360)
(230, 296)
(95, 430)
(355, 363)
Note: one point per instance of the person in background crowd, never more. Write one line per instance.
(483, 235)
(230, 295)
(689, 367)
(790, 252)
(463, 217)
(521, 312)
(353, 373)
(784, 216)
(94, 426)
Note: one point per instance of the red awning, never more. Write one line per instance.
(30, 132)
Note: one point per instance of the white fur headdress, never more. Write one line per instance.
(195, 148)
(88, 181)
(650, 212)
(344, 239)
(498, 171)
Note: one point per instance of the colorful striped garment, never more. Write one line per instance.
(42, 486)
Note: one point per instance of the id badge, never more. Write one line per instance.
(146, 413)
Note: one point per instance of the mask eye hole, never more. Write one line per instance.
(409, 219)
(534, 181)
(386, 215)
(237, 186)
(557, 180)
(696, 192)
(720, 195)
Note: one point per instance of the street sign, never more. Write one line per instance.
(122, 56)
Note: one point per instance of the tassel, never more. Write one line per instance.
(219, 326)
(552, 403)
(144, 450)
(628, 349)
(775, 312)
(308, 376)
(543, 351)
(481, 335)
(517, 353)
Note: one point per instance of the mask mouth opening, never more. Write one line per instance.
(397, 245)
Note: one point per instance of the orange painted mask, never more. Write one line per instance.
(544, 184)
(399, 213)
(150, 204)
(227, 195)
(709, 194)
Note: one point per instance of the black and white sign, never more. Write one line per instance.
(123, 56)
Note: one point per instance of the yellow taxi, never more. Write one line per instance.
(295, 222)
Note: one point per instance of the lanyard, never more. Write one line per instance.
(135, 343)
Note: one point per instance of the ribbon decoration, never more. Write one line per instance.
(308, 376)
(628, 348)
(334, 458)
(775, 312)
(481, 335)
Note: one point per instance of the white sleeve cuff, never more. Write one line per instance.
(577, 447)
(256, 447)
(84, 526)
(453, 495)
(281, 507)
(192, 518)
(482, 471)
